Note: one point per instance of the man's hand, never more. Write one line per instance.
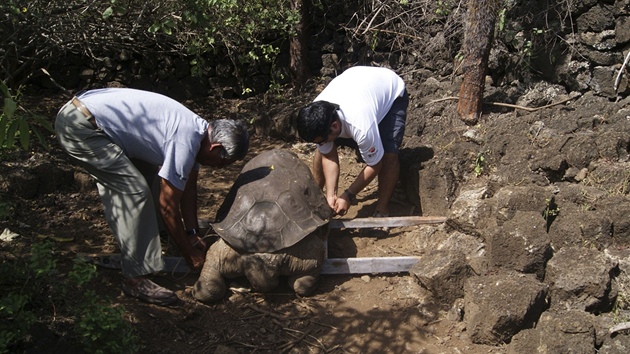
(342, 204)
(331, 201)
(195, 259)
(170, 198)
(198, 242)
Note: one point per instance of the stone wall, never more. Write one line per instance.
(600, 43)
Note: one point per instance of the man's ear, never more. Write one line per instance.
(335, 125)
(215, 145)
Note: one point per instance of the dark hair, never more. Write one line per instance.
(232, 135)
(315, 119)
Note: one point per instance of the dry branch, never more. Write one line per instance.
(290, 344)
(515, 106)
(52, 30)
(621, 70)
(619, 327)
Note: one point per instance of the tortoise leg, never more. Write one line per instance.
(304, 261)
(304, 285)
(211, 286)
(262, 271)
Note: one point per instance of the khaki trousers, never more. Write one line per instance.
(126, 195)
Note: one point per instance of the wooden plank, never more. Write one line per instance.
(368, 265)
(393, 221)
(360, 265)
(113, 261)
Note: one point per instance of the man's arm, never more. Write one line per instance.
(188, 207)
(363, 179)
(170, 198)
(188, 203)
(330, 167)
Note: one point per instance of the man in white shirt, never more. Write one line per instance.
(124, 138)
(364, 108)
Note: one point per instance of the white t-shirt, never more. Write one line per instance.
(364, 95)
(150, 127)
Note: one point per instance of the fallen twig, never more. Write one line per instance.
(529, 109)
(449, 98)
(325, 325)
(303, 336)
(254, 346)
(619, 327)
(66, 91)
(373, 17)
(268, 313)
(290, 344)
(623, 67)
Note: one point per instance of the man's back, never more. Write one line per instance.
(150, 127)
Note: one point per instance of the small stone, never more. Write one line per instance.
(473, 136)
(366, 278)
(580, 176)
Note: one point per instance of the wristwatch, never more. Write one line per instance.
(351, 196)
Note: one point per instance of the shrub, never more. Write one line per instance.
(29, 282)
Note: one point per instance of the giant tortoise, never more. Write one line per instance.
(273, 222)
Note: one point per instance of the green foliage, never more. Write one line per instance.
(17, 123)
(443, 8)
(480, 164)
(247, 34)
(501, 20)
(42, 263)
(551, 211)
(115, 8)
(28, 282)
(528, 44)
(250, 31)
(15, 319)
(82, 272)
(103, 328)
(534, 42)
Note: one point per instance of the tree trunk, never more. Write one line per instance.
(478, 35)
(298, 45)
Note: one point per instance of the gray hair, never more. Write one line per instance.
(232, 135)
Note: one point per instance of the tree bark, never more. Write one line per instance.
(479, 33)
(298, 45)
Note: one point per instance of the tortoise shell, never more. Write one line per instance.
(273, 204)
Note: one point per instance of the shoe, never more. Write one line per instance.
(148, 291)
(380, 231)
(384, 229)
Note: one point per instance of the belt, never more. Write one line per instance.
(81, 108)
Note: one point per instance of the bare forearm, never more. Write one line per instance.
(364, 178)
(331, 175)
(188, 204)
(170, 200)
(172, 217)
(342, 204)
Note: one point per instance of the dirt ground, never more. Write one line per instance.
(348, 314)
(377, 313)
